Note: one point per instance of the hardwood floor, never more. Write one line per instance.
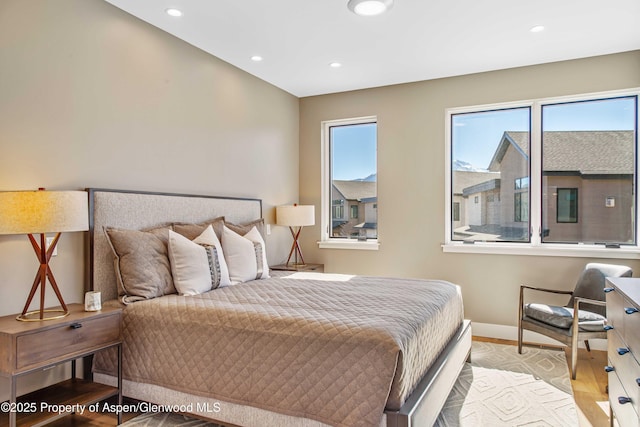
(589, 390)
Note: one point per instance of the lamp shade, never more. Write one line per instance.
(31, 212)
(295, 215)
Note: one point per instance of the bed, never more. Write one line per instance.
(286, 349)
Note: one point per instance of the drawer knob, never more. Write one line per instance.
(609, 368)
(623, 399)
(630, 310)
(608, 327)
(75, 325)
(607, 290)
(622, 351)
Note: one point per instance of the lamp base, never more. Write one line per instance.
(34, 316)
(40, 281)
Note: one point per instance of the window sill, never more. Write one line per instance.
(585, 251)
(368, 245)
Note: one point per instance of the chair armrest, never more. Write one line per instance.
(579, 300)
(576, 309)
(553, 291)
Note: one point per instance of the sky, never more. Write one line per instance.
(476, 135)
(353, 151)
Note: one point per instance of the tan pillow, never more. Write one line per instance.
(191, 231)
(243, 229)
(141, 263)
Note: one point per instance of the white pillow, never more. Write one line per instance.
(189, 265)
(245, 255)
(209, 238)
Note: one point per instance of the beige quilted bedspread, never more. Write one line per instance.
(334, 351)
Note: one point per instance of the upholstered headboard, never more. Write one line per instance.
(139, 210)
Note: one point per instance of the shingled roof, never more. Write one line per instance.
(587, 152)
(356, 190)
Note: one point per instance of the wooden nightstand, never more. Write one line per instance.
(33, 346)
(318, 268)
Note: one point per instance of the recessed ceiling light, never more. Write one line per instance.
(369, 7)
(173, 12)
(256, 58)
(335, 65)
(537, 29)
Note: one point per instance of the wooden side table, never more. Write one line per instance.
(28, 347)
(318, 268)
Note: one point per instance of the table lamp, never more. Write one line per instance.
(295, 216)
(40, 212)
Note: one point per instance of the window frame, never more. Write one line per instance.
(326, 241)
(535, 246)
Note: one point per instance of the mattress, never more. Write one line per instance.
(338, 349)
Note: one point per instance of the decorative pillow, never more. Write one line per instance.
(192, 272)
(141, 263)
(191, 231)
(197, 266)
(243, 229)
(245, 255)
(208, 239)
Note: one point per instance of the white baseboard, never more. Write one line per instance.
(490, 330)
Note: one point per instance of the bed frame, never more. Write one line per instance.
(139, 210)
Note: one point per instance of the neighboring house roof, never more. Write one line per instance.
(587, 152)
(517, 140)
(466, 179)
(356, 190)
(367, 225)
(491, 184)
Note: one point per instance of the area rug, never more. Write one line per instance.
(503, 388)
(498, 388)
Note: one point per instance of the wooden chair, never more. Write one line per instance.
(581, 319)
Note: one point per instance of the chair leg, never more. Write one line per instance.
(519, 339)
(574, 355)
(520, 313)
(586, 344)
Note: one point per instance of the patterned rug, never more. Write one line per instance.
(503, 388)
(498, 388)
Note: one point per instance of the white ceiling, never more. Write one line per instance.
(416, 40)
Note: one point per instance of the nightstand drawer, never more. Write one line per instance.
(73, 337)
(625, 412)
(622, 316)
(626, 367)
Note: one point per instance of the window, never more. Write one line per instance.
(487, 148)
(558, 171)
(349, 184)
(522, 183)
(338, 209)
(567, 203)
(588, 148)
(521, 209)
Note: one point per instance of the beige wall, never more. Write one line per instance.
(411, 161)
(93, 97)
